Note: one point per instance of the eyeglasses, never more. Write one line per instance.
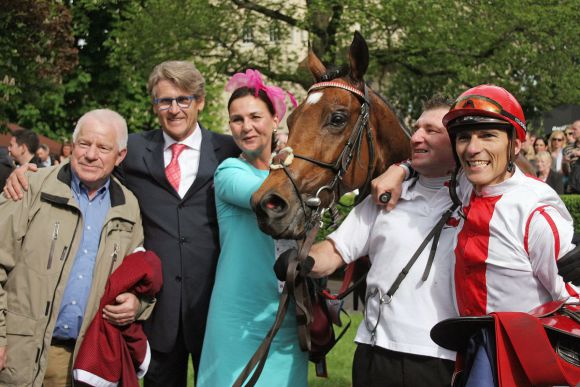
(569, 134)
(183, 102)
(557, 139)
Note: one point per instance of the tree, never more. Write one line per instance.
(526, 46)
(418, 47)
(38, 51)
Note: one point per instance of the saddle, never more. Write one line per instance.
(541, 347)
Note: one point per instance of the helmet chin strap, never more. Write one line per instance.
(511, 167)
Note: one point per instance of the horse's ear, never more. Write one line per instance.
(359, 57)
(315, 65)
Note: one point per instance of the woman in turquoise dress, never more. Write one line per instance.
(245, 295)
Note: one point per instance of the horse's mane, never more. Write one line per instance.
(404, 126)
(335, 72)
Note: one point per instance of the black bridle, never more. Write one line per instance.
(341, 164)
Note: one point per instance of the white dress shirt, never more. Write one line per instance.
(188, 159)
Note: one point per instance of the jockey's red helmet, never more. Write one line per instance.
(486, 104)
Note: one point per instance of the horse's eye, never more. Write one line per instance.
(338, 119)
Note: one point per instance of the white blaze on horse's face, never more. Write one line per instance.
(314, 98)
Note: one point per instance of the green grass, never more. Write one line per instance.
(339, 361)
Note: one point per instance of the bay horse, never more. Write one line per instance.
(344, 134)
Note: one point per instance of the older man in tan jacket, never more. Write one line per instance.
(58, 246)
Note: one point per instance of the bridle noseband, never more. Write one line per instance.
(283, 159)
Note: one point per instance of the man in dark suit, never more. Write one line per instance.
(171, 172)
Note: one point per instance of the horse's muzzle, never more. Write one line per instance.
(276, 217)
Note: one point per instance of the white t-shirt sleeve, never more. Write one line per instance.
(549, 238)
(351, 239)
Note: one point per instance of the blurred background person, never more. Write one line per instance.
(65, 151)
(571, 154)
(44, 157)
(546, 174)
(556, 144)
(528, 146)
(23, 146)
(540, 145)
(6, 166)
(570, 136)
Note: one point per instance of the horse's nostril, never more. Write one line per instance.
(274, 203)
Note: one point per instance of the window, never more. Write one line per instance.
(248, 34)
(274, 32)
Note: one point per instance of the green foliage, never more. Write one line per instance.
(62, 58)
(572, 203)
(344, 206)
(38, 51)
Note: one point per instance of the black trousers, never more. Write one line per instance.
(170, 369)
(379, 367)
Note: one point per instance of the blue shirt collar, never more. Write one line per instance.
(79, 188)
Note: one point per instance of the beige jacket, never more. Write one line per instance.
(39, 238)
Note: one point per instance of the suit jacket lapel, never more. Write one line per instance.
(207, 163)
(153, 159)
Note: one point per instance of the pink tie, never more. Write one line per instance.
(172, 171)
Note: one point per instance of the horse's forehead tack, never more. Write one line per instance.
(314, 98)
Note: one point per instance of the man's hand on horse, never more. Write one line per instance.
(569, 266)
(17, 182)
(281, 265)
(389, 183)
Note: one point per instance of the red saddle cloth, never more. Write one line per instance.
(112, 355)
(525, 355)
(539, 348)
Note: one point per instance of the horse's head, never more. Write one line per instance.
(340, 137)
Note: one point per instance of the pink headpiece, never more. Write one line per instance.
(253, 80)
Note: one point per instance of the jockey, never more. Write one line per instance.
(514, 228)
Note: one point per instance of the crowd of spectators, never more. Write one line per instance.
(25, 147)
(554, 156)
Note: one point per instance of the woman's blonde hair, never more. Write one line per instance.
(545, 156)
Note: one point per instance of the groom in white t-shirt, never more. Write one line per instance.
(393, 342)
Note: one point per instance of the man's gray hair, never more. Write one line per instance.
(182, 74)
(107, 117)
